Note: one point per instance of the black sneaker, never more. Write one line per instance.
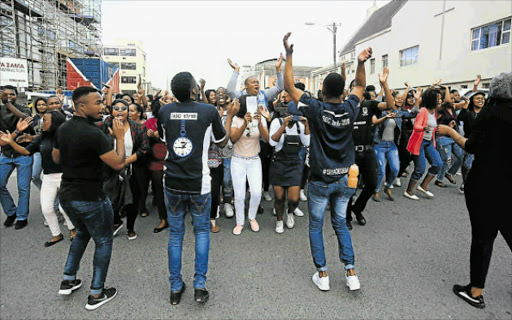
(68, 286)
(107, 295)
(349, 225)
(360, 218)
(9, 221)
(176, 295)
(20, 224)
(465, 293)
(201, 295)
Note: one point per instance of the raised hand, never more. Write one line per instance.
(24, 138)
(117, 129)
(417, 94)
(264, 112)
(202, 82)
(406, 84)
(233, 108)
(3, 97)
(343, 71)
(287, 120)
(22, 125)
(365, 55)
(234, 65)
(279, 62)
(383, 77)
(477, 81)
(257, 116)
(287, 47)
(437, 82)
(247, 118)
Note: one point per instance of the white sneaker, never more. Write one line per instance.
(398, 183)
(298, 212)
(279, 227)
(290, 220)
(321, 283)
(426, 192)
(229, 210)
(388, 186)
(267, 196)
(45, 223)
(274, 212)
(353, 283)
(302, 196)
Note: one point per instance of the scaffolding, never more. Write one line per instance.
(46, 32)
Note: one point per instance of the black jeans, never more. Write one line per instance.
(216, 174)
(367, 163)
(486, 220)
(157, 181)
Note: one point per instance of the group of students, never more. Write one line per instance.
(201, 150)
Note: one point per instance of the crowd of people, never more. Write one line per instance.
(199, 150)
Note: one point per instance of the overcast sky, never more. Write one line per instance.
(199, 36)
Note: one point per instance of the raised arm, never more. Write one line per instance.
(273, 92)
(11, 107)
(233, 109)
(116, 159)
(231, 87)
(383, 80)
(360, 83)
(476, 83)
(289, 83)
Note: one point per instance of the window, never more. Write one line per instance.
(352, 55)
(490, 35)
(111, 51)
(409, 56)
(384, 61)
(128, 79)
(372, 66)
(128, 66)
(129, 52)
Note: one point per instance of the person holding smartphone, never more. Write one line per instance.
(287, 135)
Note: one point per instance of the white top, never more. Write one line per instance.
(274, 127)
(249, 143)
(128, 143)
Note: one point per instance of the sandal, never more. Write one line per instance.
(450, 178)
(72, 234)
(51, 243)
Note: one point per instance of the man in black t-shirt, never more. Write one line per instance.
(369, 111)
(187, 128)
(81, 148)
(10, 114)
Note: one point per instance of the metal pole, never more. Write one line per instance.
(334, 44)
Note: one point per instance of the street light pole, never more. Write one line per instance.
(334, 29)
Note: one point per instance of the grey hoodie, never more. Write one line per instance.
(501, 87)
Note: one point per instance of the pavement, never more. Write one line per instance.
(408, 256)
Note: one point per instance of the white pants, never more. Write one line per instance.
(241, 171)
(49, 190)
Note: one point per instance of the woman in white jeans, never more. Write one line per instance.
(52, 172)
(246, 131)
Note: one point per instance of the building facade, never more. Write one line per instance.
(422, 41)
(45, 33)
(131, 59)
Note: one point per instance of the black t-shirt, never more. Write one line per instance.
(187, 129)
(44, 144)
(8, 121)
(332, 147)
(363, 128)
(81, 143)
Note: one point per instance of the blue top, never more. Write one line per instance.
(331, 147)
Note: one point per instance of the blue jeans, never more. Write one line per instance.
(427, 151)
(199, 207)
(319, 194)
(36, 170)
(23, 165)
(227, 182)
(448, 150)
(91, 219)
(386, 150)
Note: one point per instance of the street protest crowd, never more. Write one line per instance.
(205, 152)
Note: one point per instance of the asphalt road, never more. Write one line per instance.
(408, 257)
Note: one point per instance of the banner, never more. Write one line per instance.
(13, 72)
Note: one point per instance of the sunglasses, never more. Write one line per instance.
(116, 108)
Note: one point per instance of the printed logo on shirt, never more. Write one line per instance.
(334, 172)
(365, 111)
(183, 116)
(336, 123)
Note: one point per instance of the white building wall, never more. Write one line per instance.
(415, 24)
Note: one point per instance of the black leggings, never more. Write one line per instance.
(265, 157)
(216, 174)
(367, 163)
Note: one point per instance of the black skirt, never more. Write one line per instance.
(285, 171)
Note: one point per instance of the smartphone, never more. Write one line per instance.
(296, 118)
